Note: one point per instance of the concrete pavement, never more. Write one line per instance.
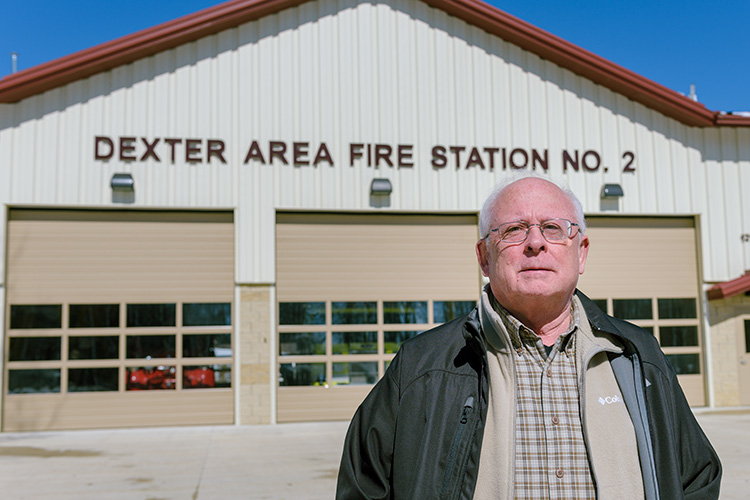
(280, 462)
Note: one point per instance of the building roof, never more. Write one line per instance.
(128, 49)
(730, 288)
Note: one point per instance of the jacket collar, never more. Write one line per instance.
(598, 319)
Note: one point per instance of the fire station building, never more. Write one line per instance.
(237, 217)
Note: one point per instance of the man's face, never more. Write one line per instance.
(536, 269)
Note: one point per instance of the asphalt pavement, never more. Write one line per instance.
(276, 462)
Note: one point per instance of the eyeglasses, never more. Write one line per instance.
(553, 230)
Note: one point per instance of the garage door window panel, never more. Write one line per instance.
(355, 343)
(678, 336)
(93, 379)
(302, 313)
(207, 346)
(354, 313)
(677, 308)
(151, 315)
(150, 378)
(405, 312)
(207, 314)
(302, 343)
(206, 376)
(34, 349)
(302, 374)
(33, 381)
(94, 316)
(355, 373)
(94, 347)
(151, 346)
(35, 316)
(632, 309)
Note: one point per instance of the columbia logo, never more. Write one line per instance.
(609, 400)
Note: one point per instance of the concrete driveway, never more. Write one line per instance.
(280, 462)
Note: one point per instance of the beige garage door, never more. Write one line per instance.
(645, 270)
(118, 319)
(351, 289)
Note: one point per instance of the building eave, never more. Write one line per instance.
(729, 288)
(128, 49)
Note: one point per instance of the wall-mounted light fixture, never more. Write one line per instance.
(381, 187)
(122, 182)
(612, 191)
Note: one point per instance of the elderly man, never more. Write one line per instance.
(536, 394)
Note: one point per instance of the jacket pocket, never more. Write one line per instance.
(457, 454)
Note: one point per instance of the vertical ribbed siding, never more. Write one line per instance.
(344, 72)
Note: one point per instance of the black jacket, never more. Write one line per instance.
(418, 434)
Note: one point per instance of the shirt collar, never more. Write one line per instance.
(521, 334)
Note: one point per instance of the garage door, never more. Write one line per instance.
(118, 319)
(645, 270)
(351, 289)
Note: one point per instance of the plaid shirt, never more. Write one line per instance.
(551, 458)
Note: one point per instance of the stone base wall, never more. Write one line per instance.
(254, 360)
(725, 317)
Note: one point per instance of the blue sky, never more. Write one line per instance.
(675, 43)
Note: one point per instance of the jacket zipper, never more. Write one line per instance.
(453, 454)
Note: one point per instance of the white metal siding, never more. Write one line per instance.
(341, 72)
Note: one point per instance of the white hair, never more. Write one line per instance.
(485, 215)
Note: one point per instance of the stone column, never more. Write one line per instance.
(254, 361)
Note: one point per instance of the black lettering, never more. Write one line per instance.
(457, 150)
(405, 156)
(595, 166)
(524, 155)
(629, 165)
(150, 152)
(100, 139)
(172, 143)
(537, 159)
(277, 149)
(299, 150)
(383, 152)
(192, 147)
(126, 148)
(491, 154)
(355, 152)
(475, 159)
(572, 161)
(438, 157)
(215, 148)
(254, 153)
(323, 155)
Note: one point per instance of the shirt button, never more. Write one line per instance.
(555, 420)
(549, 372)
(559, 473)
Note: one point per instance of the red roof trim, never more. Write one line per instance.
(130, 48)
(729, 120)
(729, 288)
(148, 42)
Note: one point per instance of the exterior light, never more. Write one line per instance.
(612, 191)
(381, 187)
(122, 182)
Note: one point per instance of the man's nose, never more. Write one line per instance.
(535, 241)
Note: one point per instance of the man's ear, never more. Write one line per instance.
(583, 252)
(483, 257)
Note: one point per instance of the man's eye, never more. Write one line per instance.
(514, 229)
(552, 226)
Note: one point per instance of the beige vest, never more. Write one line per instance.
(608, 430)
